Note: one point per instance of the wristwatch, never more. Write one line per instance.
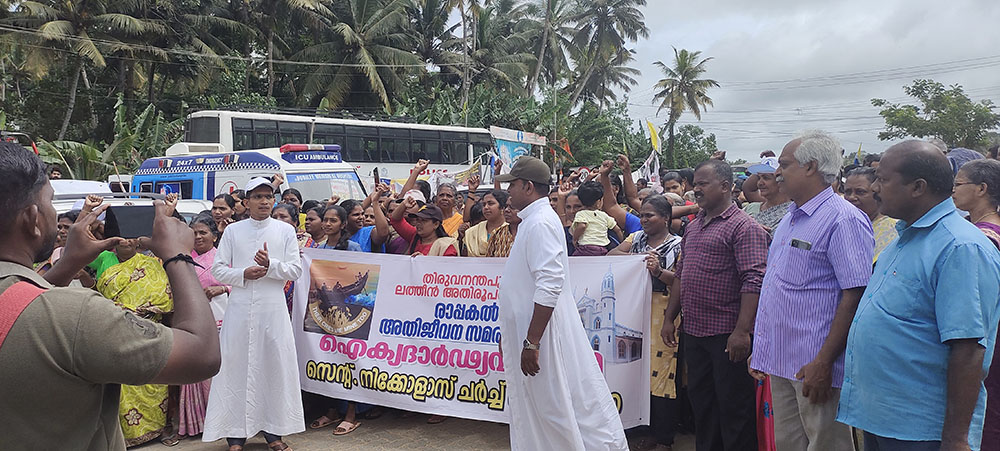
(530, 347)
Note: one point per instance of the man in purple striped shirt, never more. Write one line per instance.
(818, 266)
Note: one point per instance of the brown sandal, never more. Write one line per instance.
(278, 445)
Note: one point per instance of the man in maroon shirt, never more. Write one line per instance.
(716, 286)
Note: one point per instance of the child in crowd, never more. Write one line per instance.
(590, 225)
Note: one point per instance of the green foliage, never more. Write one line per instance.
(83, 161)
(946, 113)
(145, 136)
(691, 146)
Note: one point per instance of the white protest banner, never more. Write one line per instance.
(421, 334)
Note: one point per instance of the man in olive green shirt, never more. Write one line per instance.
(67, 352)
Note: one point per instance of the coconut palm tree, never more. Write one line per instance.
(435, 40)
(85, 30)
(554, 35)
(604, 27)
(500, 58)
(614, 73)
(371, 47)
(683, 89)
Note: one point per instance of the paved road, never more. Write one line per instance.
(391, 432)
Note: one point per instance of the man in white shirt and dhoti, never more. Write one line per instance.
(257, 388)
(556, 395)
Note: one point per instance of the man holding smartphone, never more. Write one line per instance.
(64, 351)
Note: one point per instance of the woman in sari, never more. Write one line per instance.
(314, 227)
(977, 191)
(139, 284)
(194, 397)
(661, 249)
(503, 238)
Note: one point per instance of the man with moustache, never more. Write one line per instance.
(922, 340)
(818, 266)
(64, 352)
(716, 285)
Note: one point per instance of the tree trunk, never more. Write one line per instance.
(270, 63)
(150, 87)
(465, 76)
(90, 99)
(581, 84)
(539, 59)
(671, 159)
(72, 101)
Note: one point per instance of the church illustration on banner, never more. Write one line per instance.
(615, 342)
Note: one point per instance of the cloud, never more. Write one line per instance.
(831, 60)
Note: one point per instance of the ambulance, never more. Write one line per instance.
(202, 171)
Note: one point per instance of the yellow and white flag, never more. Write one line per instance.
(654, 136)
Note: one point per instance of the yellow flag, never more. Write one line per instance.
(654, 137)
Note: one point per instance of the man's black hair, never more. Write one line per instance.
(22, 175)
(936, 172)
(722, 169)
(871, 158)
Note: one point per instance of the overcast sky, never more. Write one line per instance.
(878, 46)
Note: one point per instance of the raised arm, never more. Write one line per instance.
(405, 229)
(611, 206)
(564, 189)
(750, 190)
(497, 166)
(631, 193)
(471, 197)
(381, 233)
(194, 355)
(418, 168)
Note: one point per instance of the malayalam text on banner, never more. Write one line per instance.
(421, 334)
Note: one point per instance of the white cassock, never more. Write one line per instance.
(257, 388)
(567, 405)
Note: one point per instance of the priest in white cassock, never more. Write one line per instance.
(556, 395)
(257, 388)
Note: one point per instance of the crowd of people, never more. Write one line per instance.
(802, 305)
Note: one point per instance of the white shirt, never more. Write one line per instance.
(257, 388)
(567, 405)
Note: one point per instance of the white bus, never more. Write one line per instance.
(392, 147)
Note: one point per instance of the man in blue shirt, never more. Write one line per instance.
(923, 336)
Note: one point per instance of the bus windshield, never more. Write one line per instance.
(320, 185)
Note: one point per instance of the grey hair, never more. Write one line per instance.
(824, 149)
(449, 185)
(984, 171)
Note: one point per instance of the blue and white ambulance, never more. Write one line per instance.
(202, 171)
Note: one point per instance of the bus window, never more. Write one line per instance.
(202, 130)
(481, 143)
(293, 132)
(328, 134)
(242, 139)
(396, 150)
(453, 152)
(242, 134)
(395, 145)
(264, 139)
(146, 187)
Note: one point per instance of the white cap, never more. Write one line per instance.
(255, 183)
(416, 195)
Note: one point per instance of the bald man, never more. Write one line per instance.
(924, 332)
